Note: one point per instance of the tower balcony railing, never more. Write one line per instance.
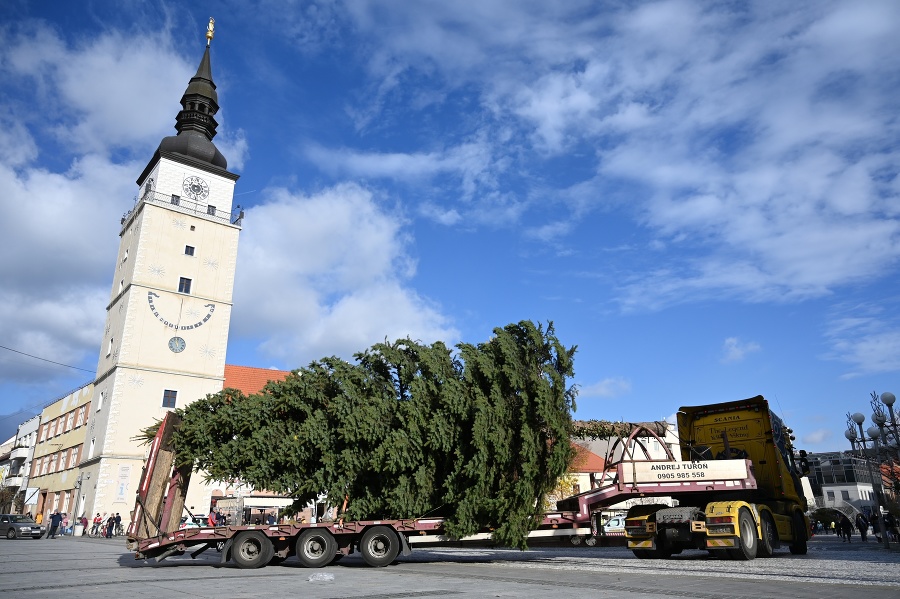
(184, 206)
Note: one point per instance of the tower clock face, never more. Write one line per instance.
(177, 344)
(195, 188)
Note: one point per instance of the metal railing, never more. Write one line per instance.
(185, 206)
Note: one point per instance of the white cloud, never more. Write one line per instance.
(762, 136)
(328, 274)
(866, 337)
(608, 388)
(818, 436)
(735, 350)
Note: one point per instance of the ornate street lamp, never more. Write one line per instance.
(851, 434)
(888, 399)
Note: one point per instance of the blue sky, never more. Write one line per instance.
(702, 196)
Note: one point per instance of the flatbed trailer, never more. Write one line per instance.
(155, 530)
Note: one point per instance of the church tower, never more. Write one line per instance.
(169, 310)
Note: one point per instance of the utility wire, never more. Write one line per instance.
(44, 359)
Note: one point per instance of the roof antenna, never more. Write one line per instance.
(210, 31)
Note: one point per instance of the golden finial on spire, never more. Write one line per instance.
(210, 30)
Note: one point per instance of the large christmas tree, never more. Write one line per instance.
(477, 436)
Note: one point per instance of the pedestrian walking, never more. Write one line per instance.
(862, 524)
(118, 521)
(890, 527)
(846, 528)
(55, 521)
(65, 524)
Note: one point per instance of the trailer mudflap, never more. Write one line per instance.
(404, 545)
(226, 550)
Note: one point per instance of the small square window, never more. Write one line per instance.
(169, 398)
(184, 285)
(176, 199)
(211, 210)
(109, 348)
(188, 250)
(845, 495)
(193, 228)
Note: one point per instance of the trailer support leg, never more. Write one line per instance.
(166, 554)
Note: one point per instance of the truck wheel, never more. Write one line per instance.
(252, 549)
(747, 530)
(798, 545)
(379, 546)
(316, 548)
(768, 537)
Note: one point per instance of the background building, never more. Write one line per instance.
(170, 304)
(60, 445)
(839, 479)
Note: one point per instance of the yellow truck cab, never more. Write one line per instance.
(737, 486)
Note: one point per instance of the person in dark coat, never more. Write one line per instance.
(862, 524)
(110, 526)
(846, 528)
(55, 521)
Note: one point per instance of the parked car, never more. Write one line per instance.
(615, 524)
(14, 526)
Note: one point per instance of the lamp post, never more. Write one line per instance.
(888, 399)
(851, 434)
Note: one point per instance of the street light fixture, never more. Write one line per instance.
(851, 434)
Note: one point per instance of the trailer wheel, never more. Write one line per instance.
(747, 531)
(252, 549)
(575, 540)
(798, 545)
(379, 546)
(768, 538)
(316, 548)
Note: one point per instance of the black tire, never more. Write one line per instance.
(252, 549)
(11, 534)
(316, 548)
(749, 542)
(798, 545)
(379, 546)
(768, 536)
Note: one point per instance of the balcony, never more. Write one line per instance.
(184, 206)
(19, 453)
(13, 481)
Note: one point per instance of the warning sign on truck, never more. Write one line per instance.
(653, 472)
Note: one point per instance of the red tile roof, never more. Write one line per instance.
(586, 461)
(249, 379)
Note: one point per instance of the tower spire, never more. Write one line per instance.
(196, 123)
